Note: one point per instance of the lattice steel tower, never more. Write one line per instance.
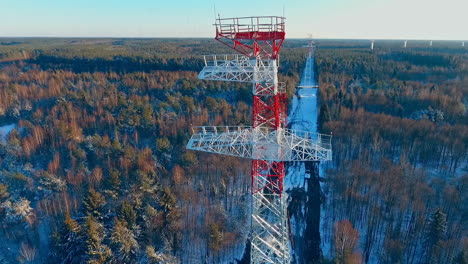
(268, 143)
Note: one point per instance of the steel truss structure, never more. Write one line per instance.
(268, 143)
(237, 68)
(261, 143)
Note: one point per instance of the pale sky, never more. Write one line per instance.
(360, 19)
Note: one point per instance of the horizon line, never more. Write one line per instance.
(146, 37)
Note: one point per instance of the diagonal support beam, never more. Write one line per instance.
(262, 143)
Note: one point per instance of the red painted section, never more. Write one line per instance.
(273, 171)
(259, 36)
(254, 43)
(268, 109)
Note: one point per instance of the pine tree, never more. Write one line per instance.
(113, 182)
(97, 252)
(3, 191)
(69, 241)
(116, 146)
(215, 239)
(188, 159)
(147, 182)
(435, 236)
(162, 144)
(125, 241)
(147, 116)
(128, 214)
(94, 203)
(167, 200)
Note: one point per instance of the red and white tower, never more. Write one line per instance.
(268, 143)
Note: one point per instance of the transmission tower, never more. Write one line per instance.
(267, 142)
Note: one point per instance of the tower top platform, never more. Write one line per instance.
(251, 28)
(257, 36)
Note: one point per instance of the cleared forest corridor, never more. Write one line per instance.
(302, 180)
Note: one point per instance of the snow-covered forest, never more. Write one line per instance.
(93, 165)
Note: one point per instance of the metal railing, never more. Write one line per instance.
(234, 59)
(322, 139)
(261, 143)
(250, 24)
(217, 129)
(237, 68)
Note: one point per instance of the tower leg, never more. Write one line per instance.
(269, 241)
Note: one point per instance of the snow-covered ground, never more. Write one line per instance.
(303, 116)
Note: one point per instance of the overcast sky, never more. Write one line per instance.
(365, 19)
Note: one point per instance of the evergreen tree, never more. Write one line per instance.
(127, 214)
(3, 191)
(435, 236)
(94, 204)
(113, 182)
(116, 146)
(97, 252)
(125, 242)
(162, 144)
(69, 241)
(215, 240)
(167, 200)
(188, 159)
